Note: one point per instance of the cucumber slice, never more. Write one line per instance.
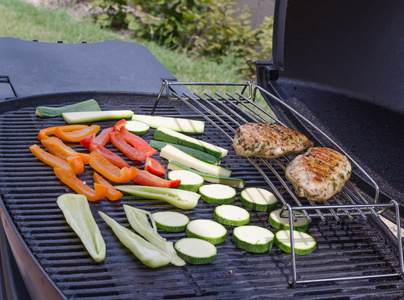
(170, 221)
(282, 223)
(217, 193)
(253, 238)
(171, 153)
(207, 230)
(195, 251)
(231, 215)
(258, 199)
(138, 128)
(189, 180)
(203, 156)
(49, 112)
(234, 182)
(92, 116)
(171, 136)
(176, 124)
(304, 243)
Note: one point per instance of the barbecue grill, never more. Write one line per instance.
(310, 84)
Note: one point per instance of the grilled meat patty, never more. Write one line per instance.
(319, 174)
(268, 140)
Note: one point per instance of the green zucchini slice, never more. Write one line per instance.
(195, 251)
(253, 238)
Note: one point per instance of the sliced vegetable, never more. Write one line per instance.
(189, 181)
(76, 135)
(80, 187)
(147, 253)
(77, 213)
(139, 221)
(109, 171)
(179, 198)
(49, 159)
(112, 194)
(258, 199)
(148, 179)
(46, 132)
(154, 166)
(92, 116)
(203, 156)
(234, 182)
(76, 164)
(49, 112)
(171, 153)
(253, 238)
(171, 136)
(304, 243)
(195, 251)
(135, 141)
(218, 193)
(282, 223)
(60, 149)
(231, 215)
(113, 158)
(136, 127)
(118, 141)
(103, 138)
(170, 221)
(86, 142)
(207, 230)
(176, 124)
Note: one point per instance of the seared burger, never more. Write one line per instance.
(319, 174)
(268, 140)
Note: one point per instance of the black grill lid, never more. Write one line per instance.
(341, 64)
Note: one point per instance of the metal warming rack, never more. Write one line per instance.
(226, 113)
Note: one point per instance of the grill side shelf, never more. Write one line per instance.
(226, 113)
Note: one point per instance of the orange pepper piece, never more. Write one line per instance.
(76, 164)
(49, 159)
(75, 135)
(71, 180)
(113, 194)
(60, 149)
(109, 171)
(46, 132)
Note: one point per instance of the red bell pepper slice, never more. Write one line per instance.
(60, 149)
(113, 194)
(135, 141)
(46, 132)
(86, 142)
(145, 178)
(103, 138)
(71, 180)
(154, 166)
(49, 159)
(109, 171)
(109, 155)
(76, 135)
(118, 141)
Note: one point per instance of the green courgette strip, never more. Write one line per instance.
(77, 213)
(139, 220)
(146, 252)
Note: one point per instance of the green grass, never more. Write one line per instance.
(26, 22)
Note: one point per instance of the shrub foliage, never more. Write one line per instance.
(216, 29)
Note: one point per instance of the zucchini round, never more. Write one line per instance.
(253, 238)
(258, 199)
(304, 243)
(195, 251)
(282, 223)
(231, 215)
(207, 230)
(190, 181)
(136, 127)
(218, 193)
(170, 221)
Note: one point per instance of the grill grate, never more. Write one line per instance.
(29, 191)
